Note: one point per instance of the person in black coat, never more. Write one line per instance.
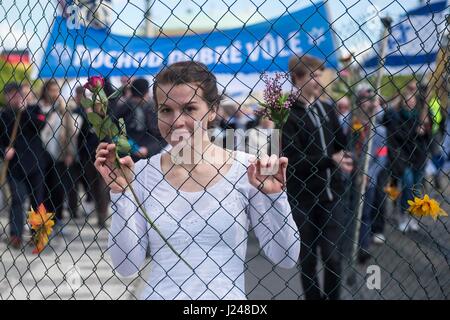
(314, 143)
(87, 142)
(409, 137)
(25, 172)
(141, 122)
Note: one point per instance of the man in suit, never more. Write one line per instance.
(314, 143)
(141, 121)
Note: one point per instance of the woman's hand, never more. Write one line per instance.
(268, 174)
(105, 163)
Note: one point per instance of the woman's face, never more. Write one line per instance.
(182, 109)
(53, 92)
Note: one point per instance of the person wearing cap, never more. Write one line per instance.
(25, 156)
(140, 121)
(315, 145)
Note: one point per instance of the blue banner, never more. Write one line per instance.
(414, 41)
(267, 46)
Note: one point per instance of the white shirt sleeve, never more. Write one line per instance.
(128, 238)
(274, 226)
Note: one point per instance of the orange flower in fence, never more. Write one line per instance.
(40, 241)
(41, 222)
(426, 207)
(392, 192)
(357, 125)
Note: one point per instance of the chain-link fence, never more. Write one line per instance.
(360, 213)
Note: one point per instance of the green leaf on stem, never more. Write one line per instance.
(103, 97)
(279, 117)
(123, 146)
(285, 117)
(282, 100)
(117, 93)
(86, 103)
(105, 128)
(94, 119)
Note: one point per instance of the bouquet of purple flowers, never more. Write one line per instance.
(276, 105)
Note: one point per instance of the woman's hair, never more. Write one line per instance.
(190, 72)
(44, 92)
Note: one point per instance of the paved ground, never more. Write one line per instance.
(413, 266)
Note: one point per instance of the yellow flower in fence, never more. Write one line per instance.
(426, 207)
(357, 125)
(42, 223)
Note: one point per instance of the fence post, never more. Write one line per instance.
(359, 207)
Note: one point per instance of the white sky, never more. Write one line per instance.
(25, 23)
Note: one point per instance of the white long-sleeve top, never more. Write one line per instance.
(208, 228)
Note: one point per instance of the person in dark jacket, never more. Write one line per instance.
(314, 143)
(25, 174)
(140, 121)
(87, 143)
(409, 136)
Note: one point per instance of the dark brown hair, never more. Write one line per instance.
(190, 72)
(304, 65)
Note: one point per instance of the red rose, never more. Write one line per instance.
(94, 83)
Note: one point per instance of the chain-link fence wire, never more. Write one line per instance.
(357, 239)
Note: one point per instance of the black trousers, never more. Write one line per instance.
(380, 202)
(59, 185)
(96, 187)
(321, 227)
(21, 188)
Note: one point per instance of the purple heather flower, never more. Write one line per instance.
(275, 101)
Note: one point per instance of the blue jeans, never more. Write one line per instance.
(21, 188)
(411, 186)
(372, 220)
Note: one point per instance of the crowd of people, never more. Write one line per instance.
(325, 142)
(52, 156)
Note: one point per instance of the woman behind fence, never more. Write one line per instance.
(57, 136)
(204, 208)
